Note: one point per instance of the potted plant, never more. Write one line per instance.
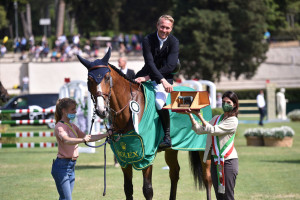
(254, 136)
(294, 115)
(279, 136)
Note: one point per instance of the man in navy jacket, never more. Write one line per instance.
(122, 64)
(160, 51)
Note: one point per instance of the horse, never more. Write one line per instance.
(3, 93)
(117, 90)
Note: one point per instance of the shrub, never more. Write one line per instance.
(254, 132)
(294, 115)
(277, 132)
(281, 132)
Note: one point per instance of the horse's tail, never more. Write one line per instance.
(196, 168)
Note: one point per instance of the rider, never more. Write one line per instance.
(160, 51)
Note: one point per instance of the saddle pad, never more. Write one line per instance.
(139, 150)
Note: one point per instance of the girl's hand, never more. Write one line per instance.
(109, 132)
(87, 138)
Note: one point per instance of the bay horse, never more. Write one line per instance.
(3, 93)
(117, 90)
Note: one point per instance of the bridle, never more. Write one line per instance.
(112, 113)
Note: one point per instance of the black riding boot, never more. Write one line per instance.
(165, 120)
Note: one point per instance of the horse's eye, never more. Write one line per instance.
(106, 78)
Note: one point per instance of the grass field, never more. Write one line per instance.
(264, 173)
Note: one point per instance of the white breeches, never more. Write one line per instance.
(160, 95)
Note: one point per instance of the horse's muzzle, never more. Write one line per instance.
(102, 114)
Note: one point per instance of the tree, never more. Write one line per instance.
(205, 43)
(60, 18)
(221, 37)
(248, 20)
(142, 15)
(3, 20)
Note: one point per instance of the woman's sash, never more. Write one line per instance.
(220, 155)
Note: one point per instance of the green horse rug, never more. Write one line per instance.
(139, 149)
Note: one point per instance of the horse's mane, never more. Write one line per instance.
(122, 74)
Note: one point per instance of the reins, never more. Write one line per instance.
(112, 118)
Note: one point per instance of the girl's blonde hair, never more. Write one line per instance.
(61, 104)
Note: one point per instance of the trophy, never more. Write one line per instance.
(185, 100)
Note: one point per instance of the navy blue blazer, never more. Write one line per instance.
(159, 63)
(130, 73)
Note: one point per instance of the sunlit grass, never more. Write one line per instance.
(264, 173)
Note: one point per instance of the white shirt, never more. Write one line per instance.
(260, 101)
(124, 70)
(25, 80)
(224, 130)
(76, 39)
(3, 49)
(161, 41)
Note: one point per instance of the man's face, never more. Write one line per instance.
(164, 28)
(122, 63)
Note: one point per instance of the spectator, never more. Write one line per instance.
(126, 41)
(87, 48)
(62, 40)
(122, 64)
(25, 87)
(267, 36)
(122, 49)
(23, 48)
(23, 44)
(55, 55)
(3, 50)
(16, 45)
(44, 41)
(45, 51)
(76, 40)
(31, 40)
(120, 38)
(261, 104)
(134, 41)
(37, 52)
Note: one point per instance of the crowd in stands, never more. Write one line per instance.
(66, 50)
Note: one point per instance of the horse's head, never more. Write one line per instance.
(3, 93)
(98, 71)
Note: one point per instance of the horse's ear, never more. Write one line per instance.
(105, 59)
(85, 62)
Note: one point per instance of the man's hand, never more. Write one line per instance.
(142, 79)
(168, 87)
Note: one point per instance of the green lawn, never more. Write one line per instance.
(264, 173)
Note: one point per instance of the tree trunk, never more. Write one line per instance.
(25, 26)
(28, 15)
(72, 23)
(60, 18)
(48, 28)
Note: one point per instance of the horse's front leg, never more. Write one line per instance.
(171, 157)
(147, 186)
(128, 187)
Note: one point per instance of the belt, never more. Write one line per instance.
(70, 159)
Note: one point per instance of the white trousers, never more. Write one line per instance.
(160, 95)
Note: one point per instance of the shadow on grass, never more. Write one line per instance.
(32, 152)
(283, 161)
(83, 167)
